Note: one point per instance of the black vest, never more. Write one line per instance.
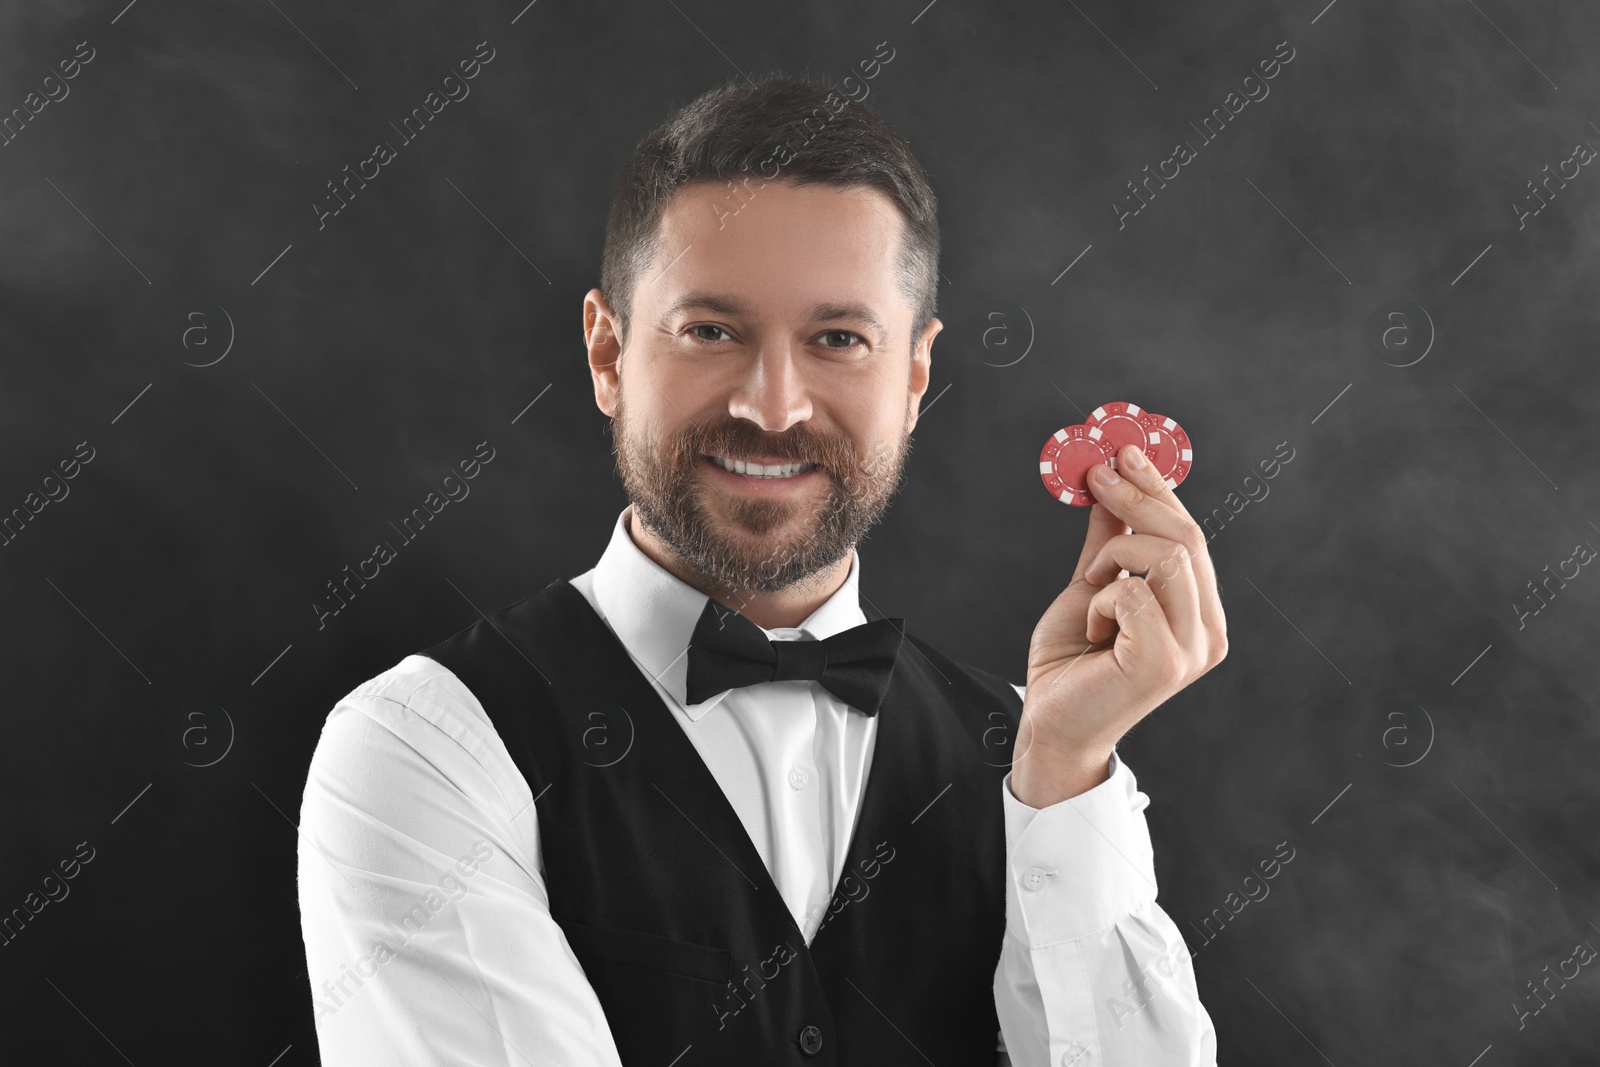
(666, 902)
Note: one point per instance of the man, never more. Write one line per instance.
(692, 807)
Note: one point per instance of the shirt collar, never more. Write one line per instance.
(654, 613)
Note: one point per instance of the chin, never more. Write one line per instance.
(791, 530)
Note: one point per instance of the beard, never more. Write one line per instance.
(732, 542)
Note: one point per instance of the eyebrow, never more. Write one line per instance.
(828, 311)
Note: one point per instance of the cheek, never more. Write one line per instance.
(679, 393)
(655, 407)
(873, 409)
(889, 422)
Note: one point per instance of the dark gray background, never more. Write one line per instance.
(1377, 577)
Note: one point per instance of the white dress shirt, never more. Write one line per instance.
(427, 927)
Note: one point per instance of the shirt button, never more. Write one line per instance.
(811, 1041)
(798, 777)
(1032, 878)
(1075, 1056)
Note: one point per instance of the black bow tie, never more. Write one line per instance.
(729, 651)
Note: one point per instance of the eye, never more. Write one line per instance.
(706, 326)
(853, 339)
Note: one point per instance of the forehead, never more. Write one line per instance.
(783, 249)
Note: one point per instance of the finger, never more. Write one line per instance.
(1145, 501)
(1167, 570)
(1127, 610)
(1103, 526)
(1139, 495)
(1147, 478)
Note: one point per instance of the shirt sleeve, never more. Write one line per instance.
(1092, 972)
(427, 928)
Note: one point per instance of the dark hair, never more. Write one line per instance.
(773, 128)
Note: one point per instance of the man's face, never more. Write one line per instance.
(772, 338)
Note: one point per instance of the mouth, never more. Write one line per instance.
(773, 470)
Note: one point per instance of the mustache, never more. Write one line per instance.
(798, 444)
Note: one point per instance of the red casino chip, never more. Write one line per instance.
(1121, 423)
(1065, 461)
(1168, 448)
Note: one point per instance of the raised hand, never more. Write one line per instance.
(1114, 646)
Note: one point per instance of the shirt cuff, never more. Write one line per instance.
(1078, 866)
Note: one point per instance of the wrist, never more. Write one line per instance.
(1040, 778)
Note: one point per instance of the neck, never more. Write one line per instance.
(783, 608)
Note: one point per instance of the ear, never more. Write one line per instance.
(921, 367)
(601, 336)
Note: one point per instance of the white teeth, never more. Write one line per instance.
(758, 470)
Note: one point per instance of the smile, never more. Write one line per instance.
(762, 470)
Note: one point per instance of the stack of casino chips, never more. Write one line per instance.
(1067, 456)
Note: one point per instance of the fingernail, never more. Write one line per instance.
(1135, 459)
(1107, 476)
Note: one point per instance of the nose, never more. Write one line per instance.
(773, 393)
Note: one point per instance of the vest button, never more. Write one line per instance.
(811, 1041)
